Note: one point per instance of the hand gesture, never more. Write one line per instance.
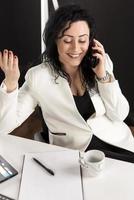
(99, 53)
(9, 65)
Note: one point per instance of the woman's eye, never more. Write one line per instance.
(67, 41)
(82, 41)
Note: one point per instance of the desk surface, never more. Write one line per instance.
(115, 183)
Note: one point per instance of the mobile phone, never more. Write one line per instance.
(93, 61)
(3, 197)
(6, 170)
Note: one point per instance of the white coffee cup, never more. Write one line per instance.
(92, 162)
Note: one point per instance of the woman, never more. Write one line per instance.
(74, 86)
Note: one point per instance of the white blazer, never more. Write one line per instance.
(66, 126)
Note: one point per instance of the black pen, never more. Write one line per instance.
(42, 165)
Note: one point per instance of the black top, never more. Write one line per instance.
(84, 105)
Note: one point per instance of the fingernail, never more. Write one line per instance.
(5, 51)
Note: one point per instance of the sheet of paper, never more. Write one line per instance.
(37, 184)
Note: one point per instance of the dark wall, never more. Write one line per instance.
(115, 30)
(21, 31)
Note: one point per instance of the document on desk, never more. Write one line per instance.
(38, 184)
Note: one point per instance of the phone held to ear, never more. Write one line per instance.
(93, 61)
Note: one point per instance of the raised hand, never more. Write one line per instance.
(9, 65)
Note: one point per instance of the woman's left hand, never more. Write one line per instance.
(99, 53)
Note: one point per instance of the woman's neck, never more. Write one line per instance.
(73, 72)
(76, 80)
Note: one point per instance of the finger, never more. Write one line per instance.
(10, 59)
(5, 58)
(98, 50)
(1, 62)
(98, 56)
(98, 43)
(15, 62)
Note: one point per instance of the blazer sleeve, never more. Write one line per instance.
(15, 107)
(116, 105)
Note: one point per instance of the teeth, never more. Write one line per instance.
(74, 56)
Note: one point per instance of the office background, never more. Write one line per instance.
(21, 32)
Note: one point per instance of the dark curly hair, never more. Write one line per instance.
(57, 24)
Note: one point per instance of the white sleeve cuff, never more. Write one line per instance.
(3, 86)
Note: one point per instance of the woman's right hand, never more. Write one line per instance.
(9, 65)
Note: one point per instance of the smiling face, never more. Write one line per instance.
(73, 45)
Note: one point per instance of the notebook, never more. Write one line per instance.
(66, 184)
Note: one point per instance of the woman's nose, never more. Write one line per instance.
(75, 46)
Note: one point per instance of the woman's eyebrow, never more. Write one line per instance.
(84, 35)
(74, 36)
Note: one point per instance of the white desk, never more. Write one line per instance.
(116, 183)
(13, 148)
